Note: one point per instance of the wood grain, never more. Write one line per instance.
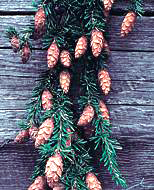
(122, 65)
(140, 39)
(136, 161)
(131, 101)
(21, 6)
(123, 92)
(133, 122)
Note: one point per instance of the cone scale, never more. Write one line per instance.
(53, 55)
(64, 80)
(44, 132)
(81, 47)
(38, 184)
(92, 182)
(87, 116)
(46, 100)
(128, 23)
(15, 43)
(39, 22)
(105, 81)
(97, 42)
(54, 169)
(25, 53)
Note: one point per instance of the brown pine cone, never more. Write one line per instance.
(97, 42)
(65, 58)
(15, 43)
(108, 5)
(104, 110)
(58, 186)
(33, 131)
(105, 81)
(47, 100)
(81, 47)
(40, 19)
(38, 184)
(92, 182)
(54, 169)
(128, 23)
(86, 116)
(21, 136)
(45, 131)
(25, 53)
(64, 80)
(53, 55)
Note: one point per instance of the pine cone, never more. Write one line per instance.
(45, 131)
(54, 169)
(33, 131)
(21, 136)
(15, 43)
(64, 79)
(92, 182)
(47, 100)
(65, 58)
(105, 81)
(97, 42)
(58, 186)
(40, 22)
(104, 110)
(81, 47)
(25, 53)
(53, 55)
(68, 142)
(87, 116)
(128, 23)
(108, 5)
(39, 184)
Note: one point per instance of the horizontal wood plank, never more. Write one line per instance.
(133, 122)
(122, 65)
(141, 38)
(20, 5)
(15, 92)
(136, 161)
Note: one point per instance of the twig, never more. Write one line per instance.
(140, 185)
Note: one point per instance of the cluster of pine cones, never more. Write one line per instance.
(54, 165)
(40, 19)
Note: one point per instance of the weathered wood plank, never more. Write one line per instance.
(20, 5)
(16, 166)
(136, 161)
(12, 95)
(142, 37)
(122, 65)
(15, 5)
(133, 122)
(19, 22)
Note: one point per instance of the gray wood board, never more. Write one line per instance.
(20, 5)
(130, 66)
(16, 91)
(136, 162)
(140, 39)
(133, 122)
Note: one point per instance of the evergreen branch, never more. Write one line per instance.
(75, 170)
(137, 7)
(34, 113)
(108, 145)
(10, 32)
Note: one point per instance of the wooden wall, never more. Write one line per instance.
(131, 101)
